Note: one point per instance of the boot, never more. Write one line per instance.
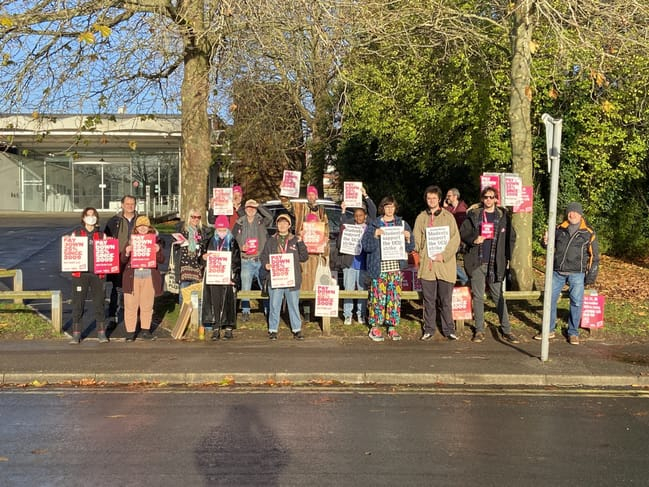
(76, 338)
(228, 334)
(101, 336)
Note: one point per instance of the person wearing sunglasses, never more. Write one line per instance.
(187, 255)
(489, 238)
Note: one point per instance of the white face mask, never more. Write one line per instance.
(90, 219)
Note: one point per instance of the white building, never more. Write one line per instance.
(69, 162)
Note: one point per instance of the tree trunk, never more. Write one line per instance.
(196, 148)
(521, 137)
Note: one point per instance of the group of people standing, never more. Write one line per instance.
(444, 234)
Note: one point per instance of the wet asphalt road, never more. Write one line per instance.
(165, 438)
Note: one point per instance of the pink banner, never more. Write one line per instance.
(107, 256)
(143, 251)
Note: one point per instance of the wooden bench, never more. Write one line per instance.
(17, 276)
(53, 296)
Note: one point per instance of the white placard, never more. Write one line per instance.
(222, 201)
(513, 190)
(290, 186)
(282, 270)
(326, 300)
(350, 240)
(437, 238)
(74, 254)
(218, 267)
(353, 194)
(393, 243)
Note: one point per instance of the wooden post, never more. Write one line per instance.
(18, 284)
(57, 311)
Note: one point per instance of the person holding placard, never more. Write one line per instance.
(219, 299)
(437, 239)
(489, 238)
(576, 262)
(387, 240)
(352, 256)
(457, 208)
(251, 232)
(281, 258)
(83, 282)
(187, 254)
(120, 226)
(238, 209)
(142, 281)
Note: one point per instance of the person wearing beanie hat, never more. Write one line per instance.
(311, 191)
(576, 262)
(251, 232)
(284, 243)
(220, 300)
(142, 282)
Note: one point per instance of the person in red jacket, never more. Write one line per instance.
(141, 285)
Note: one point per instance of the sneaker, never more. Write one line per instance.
(360, 319)
(146, 335)
(426, 336)
(573, 340)
(375, 334)
(272, 335)
(216, 335)
(510, 338)
(394, 334)
(478, 337)
(451, 336)
(228, 334)
(245, 316)
(101, 336)
(348, 321)
(539, 336)
(298, 335)
(76, 338)
(130, 337)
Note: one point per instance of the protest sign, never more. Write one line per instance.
(222, 201)
(143, 251)
(314, 237)
(290, 186)
(74, 254)
(353, 194)
(326, 300)
(282, 271)
(526, 204)
(592, 311)
(437, 238)
(513, 190)
(107, 256)
(393, 244)
(490, 180)
(218, 267)
(461, 303)
(350, 240)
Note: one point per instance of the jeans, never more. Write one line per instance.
(354, 279)
(576, 290)
(462, 278)
(249, 271)
(478, 282)
(292, 302)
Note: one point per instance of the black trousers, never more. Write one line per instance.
(438, 295)
(80, 287)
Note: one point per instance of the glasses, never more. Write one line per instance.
(197, 217)
(488, 197)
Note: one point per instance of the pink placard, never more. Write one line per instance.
(353, 194)
(592, 311)
(222, 201)
(290, 186)
(527, 203)
(107, 256)
(143, 251)
(314, 237)
(462, 303)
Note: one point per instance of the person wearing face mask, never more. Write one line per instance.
(141, 285)
(220, 300)
(82, 282)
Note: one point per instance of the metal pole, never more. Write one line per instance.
(553, 138)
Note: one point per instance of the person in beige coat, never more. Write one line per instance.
(437, 239)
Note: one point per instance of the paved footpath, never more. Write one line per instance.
(30, 242)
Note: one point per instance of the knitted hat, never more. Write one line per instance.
(283, 216)
(142, 221)
(312, 189)
(237, 189)
(576, 207)
(312, 217)
(221, 222)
